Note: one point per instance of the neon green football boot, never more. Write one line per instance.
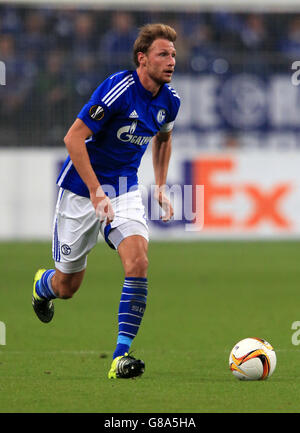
(126, 367)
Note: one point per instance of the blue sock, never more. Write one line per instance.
(43, 286)
(131, 311)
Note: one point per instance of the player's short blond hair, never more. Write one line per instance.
(149, 33)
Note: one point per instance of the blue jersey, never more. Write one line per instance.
(123, 117)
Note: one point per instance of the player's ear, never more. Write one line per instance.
(142, 58)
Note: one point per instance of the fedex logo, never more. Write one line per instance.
(237, 194)
(261, 204)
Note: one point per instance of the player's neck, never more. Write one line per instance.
(147, 82)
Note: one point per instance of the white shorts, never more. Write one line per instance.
(76, 227)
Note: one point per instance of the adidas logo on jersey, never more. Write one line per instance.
(133, 115)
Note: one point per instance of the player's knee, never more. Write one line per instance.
(137, 267)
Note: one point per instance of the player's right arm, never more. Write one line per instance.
(75, 144)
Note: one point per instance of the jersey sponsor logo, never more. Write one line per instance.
(96, 112)
(65, 249)
(161, 115)
(126, 134)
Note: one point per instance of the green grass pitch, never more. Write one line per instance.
(203, 298)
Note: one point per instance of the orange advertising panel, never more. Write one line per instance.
(265, 202)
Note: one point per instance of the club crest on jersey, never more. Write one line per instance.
(126, 134)
(65, 249)
(161, 115)
(96, 112)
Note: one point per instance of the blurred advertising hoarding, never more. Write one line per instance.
(259, 111)
(243, 195)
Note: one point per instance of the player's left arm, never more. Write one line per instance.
(161, 153)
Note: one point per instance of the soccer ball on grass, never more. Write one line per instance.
(252, 359)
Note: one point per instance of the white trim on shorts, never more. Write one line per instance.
(128, 228)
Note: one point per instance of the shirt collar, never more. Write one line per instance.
(144, 92)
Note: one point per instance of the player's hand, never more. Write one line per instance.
(104, 210)
(103, 206)
(165, 204)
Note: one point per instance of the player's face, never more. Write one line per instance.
(160, 61)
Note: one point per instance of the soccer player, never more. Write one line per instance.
(99, 185)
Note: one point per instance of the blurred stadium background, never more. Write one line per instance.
(238, 128)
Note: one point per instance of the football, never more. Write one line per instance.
(252, 359)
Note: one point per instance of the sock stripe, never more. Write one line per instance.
(127, 333)
(142, 290)
(135, 300)
(136, 320)
(136, 283)
(141, 295)
(129, 314)
(49, 281)
(136, 279)
(129, 324)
